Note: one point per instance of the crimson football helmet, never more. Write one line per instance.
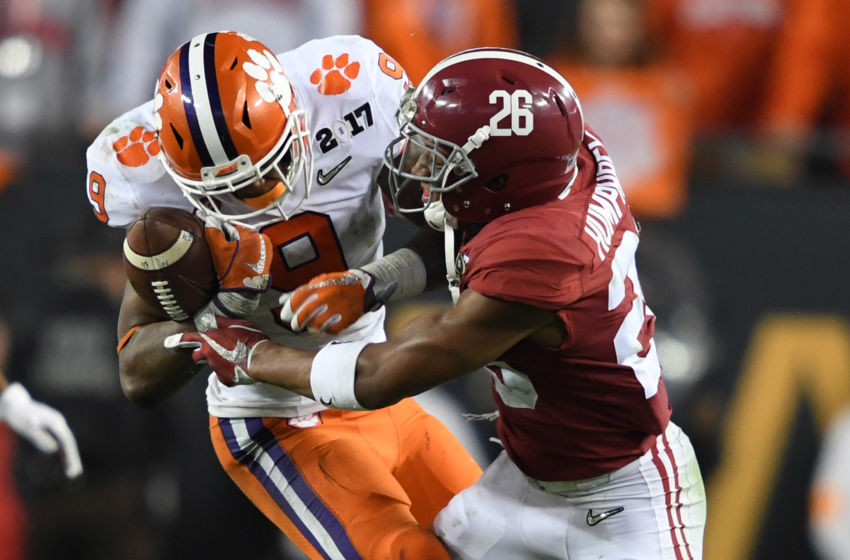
(487, 131)
(226, 117)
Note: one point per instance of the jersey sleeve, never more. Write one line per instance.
(524, 267)
(124, 176)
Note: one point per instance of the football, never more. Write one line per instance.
(168, 262)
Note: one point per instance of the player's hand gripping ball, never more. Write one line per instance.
(168, 262)
(242, 260)
(227, 348)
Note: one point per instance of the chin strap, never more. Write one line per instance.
(476, 139)
(451, 270)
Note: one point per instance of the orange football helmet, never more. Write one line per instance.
(227, 117)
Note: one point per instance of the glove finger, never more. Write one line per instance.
(212, 221)
(59, 430)
(233, 232)
(315, 321)
(198, 355)
(182, 340)
(286, 307)
(304, 313)
(329, 324)
(316, 317)
(42, 440)
(297, 298)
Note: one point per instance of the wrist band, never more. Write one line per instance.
(332, 374)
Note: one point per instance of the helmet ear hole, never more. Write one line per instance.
(497, 183)
(177, 136)
(246, 119)
(560, 103)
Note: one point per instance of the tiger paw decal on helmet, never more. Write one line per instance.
(136, 148)
(272, 84)
(335, 75)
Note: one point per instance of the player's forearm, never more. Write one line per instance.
(149, 372)
(283, 366)
(378, 375)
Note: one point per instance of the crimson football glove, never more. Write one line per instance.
(332, 302)
(227, 348)
(242, 259)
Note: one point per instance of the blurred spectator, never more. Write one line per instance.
(728, 49)
(742, 56)
(806, 115)
(829, 514)
(145, 32)
(49, 52)
(420, 33)
(634, 102)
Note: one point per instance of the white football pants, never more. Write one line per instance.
(653, 508)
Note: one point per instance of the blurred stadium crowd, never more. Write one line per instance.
(729, 123)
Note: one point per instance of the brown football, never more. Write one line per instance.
(168, 262)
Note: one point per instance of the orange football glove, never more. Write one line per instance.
(242, 259)
(331, 302)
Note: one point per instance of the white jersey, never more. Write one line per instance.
(340, 225)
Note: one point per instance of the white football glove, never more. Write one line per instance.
(42, 425)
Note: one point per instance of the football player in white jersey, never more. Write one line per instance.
(236, 133)
(549, 300)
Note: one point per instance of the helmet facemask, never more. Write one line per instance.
(291, 160)
(445, 166)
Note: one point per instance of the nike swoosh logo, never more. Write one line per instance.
(260, 264)
(326, 402)
(594, 519)
(236, 356)
(323, 178)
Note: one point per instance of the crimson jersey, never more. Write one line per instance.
(598, 401)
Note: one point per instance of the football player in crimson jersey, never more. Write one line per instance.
(494, 149)
(235, 133)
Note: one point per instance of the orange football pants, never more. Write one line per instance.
(349, 484)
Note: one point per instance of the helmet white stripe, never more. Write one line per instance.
(503, 55)
(201, 100)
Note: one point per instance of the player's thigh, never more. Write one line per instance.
(674, 478)
(656, 506)
(481, 521)
(433, 465)
(325, 486)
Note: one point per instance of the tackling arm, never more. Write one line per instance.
(149, 372)
(432, 349)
